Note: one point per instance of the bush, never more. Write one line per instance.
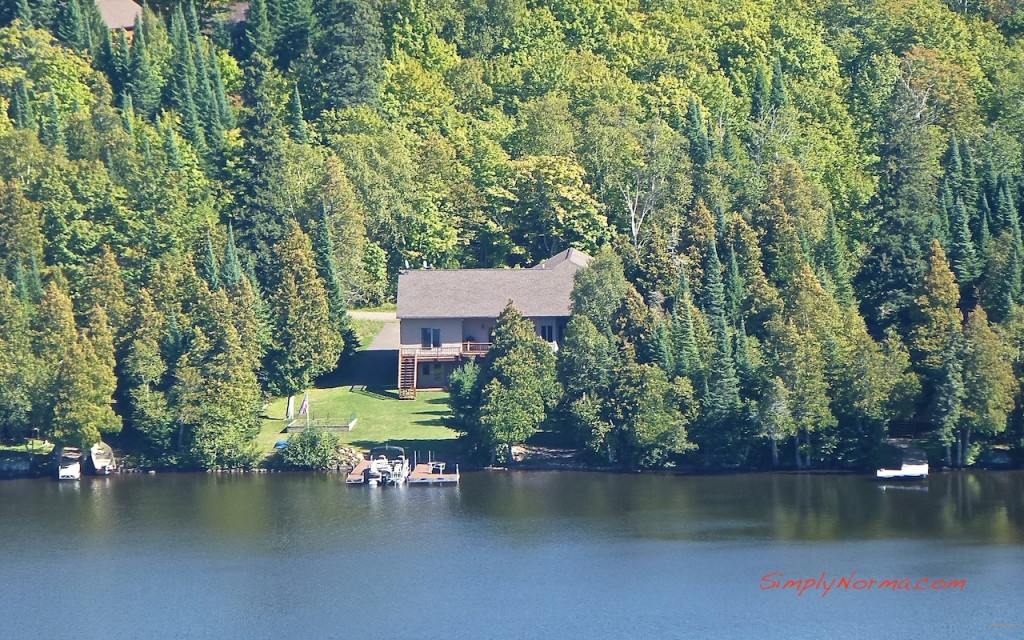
(313, 449)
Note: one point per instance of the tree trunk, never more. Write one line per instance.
(796, 449)
(807, 456)
(775, 452)
(949, 456)
(959, 450)
(289, 413)
(967, 442)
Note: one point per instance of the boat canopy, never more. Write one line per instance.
(388, 451)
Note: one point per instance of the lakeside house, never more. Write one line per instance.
(119, 14)
(447, 316)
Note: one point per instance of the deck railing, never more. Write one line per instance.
(454, 351)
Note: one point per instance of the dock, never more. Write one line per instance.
(433, 473)
(357, 474)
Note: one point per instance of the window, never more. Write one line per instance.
(430, 337)
(547, 332)
(425, 369)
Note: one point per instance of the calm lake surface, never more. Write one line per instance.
(508, 555)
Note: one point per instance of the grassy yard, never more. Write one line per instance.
(367, 330)
(382, 308)
(381, 418)
(41, 447)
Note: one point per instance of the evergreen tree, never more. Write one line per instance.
(21, 112)
(51, 129)
(23, 13)
(779, 98)
(144, 85)
(323, 248)
(735, 290)
(345, 66)
(208, 267)
(19, 368)
(714, 290)
(759, 96)
(684, 340)
(71, 27)
(834, 261)
(306, 343)
(296, 125)
(261, 211)
(259, 37)
(230, 268)
(989, 384)
(962, 256)
(518, 384)
(294, 30)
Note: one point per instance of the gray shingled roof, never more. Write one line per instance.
(119, 14)
(483, 293)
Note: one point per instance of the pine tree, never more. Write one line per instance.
(71, 27)
(144, 85)
(180, 89)
(261, 211)
(23, 13)
(518, 384)
(51, 129)
(208, 267)
(104, 288)
(759, 96)
(735, 289)
(779, 98)
(684, 341)
(296, 125)
(306, 344)
(834, 261)
(963, 258)
(323, 248)
(230, 268)
(171, 148)
(224, 110)
(19, 368)
(258, 37)
(294, 30)
(20, 111)
(989, 384)
(714, 290)
(345, 67)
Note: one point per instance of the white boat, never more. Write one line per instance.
(69, 463)
(905, 472)
(102, 457)
(388, 465)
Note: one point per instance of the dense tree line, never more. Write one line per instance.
(807, 215)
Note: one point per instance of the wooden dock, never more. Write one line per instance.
(356, 476)
(433, 473)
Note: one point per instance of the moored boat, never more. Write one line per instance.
(386, 465)
(102, 458)
(905, 472)
(69, 463)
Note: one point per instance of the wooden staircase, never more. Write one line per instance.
(407, 366)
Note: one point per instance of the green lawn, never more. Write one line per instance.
(382, 308)
(381, 418)
(367, 330)
(41, 447)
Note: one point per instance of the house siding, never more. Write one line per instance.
(451, 331)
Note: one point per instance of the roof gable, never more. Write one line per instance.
(119, 14)
(540, 291)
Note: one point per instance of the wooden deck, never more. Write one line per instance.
(427, 473)
(356, 475)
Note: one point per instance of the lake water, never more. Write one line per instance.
(509, 555)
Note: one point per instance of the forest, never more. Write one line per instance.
(805, 217)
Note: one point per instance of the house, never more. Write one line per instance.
(447, 316)
(119, 14)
